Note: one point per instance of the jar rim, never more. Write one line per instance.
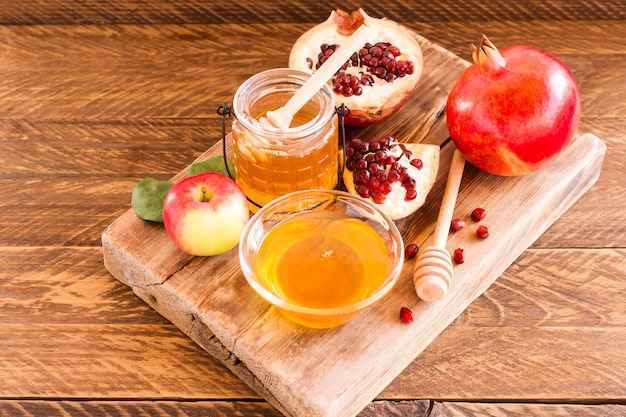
(272, 81)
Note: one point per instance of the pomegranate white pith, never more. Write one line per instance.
(397, 177)
(382, 97)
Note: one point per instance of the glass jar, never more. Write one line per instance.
(272, 162)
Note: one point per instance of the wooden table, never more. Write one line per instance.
(95, 96)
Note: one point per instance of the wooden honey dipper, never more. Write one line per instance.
(433, 269)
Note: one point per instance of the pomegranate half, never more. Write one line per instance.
(376, 80)
(395, 176)
(513, 111)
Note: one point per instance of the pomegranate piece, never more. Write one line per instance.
(383, 170)
(406, 315)
(411, 251)
(378, 78)
(459, 256)
(478, 214)
(482, 232)
(456, 225)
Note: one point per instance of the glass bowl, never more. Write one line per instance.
(321, 256)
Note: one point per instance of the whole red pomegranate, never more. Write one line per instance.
(377, 79)
(512, 111)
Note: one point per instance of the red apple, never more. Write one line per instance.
(205, 214)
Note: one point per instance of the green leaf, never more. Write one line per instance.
(214, 164)
(147, 199)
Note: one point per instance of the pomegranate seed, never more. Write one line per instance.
(410, 195)
(410, 251)
(408, 183)
(385, 187)
(367, 79)
(417, 163)
(394, 50)
(373, 168)
(378, 196)
(363, 147)
(393, 176)
(456, 225)
(382, 176)
(406, 315)
(459, 256)
(374, 183)
(478, 214)
(363, 191)
(362, 176)
(482, 232)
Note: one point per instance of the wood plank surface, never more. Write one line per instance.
(95, 95)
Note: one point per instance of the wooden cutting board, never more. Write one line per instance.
(337, 372)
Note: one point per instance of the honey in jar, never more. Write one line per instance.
(271, 162)
(322, 260)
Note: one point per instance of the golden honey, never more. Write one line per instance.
(272, 162)
(322, 260)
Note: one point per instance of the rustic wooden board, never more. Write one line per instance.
(304, 372)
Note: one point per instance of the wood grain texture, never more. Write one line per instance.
(244, 11)
(95, 95)
(451, 409)
(156, 408)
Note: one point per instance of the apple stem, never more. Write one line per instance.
(205, 196)
(487, 57)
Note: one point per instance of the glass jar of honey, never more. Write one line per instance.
(272, 162)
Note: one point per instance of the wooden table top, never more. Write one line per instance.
(95, 96)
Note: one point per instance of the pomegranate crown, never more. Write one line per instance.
(346, 22)
(487, 57)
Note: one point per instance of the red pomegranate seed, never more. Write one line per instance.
(417, 163)
(393, 176)
(385, 140)
(382, 175)
(478, 214)
(410, 251)
(482, 232)
(385, 187)
(456, 225)
(373, 168)
(361, 176)
(459, 256)
(406, 315)
(363, 191)
(378, 196)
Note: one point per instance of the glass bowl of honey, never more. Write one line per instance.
(321, 256)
